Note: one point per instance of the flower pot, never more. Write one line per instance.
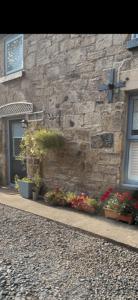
(85, 207)
(25, 189)
(35, 195)
(126, 218)
(112, 214)
(109, 213)
(88, 208)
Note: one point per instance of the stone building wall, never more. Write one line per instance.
(62, 76)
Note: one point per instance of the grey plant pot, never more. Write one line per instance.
(25, 189)
(35, 195)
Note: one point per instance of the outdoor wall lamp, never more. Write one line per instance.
(24, 123)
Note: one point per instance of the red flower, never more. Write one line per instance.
(124, 197)
(106, 195)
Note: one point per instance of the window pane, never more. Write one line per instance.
(135, 118)
(134, 35)
(133, 161)
(16, 146)
(17, 130)
(14, 55)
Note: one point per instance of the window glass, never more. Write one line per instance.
(133, 161)
(135, 118)
(14, 54)
(134, 35)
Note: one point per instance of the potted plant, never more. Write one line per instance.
(70, 196)
(119, 206)
(34, 146)
(24, 186)
(57, 197)
(84, 203)
(36, 187)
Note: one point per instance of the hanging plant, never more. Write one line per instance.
(36, 143)
(48, 139)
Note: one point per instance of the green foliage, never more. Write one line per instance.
(37, 180)
(24, 179)
(135, 194)
(59, 197)
(70, 196)
(16, 179)
(56, 197)
(48, 139)
(36, 143)
(92, 202)
(121, 202)
(113, 203)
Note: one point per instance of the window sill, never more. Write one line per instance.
(11, 76)
(129, 186)
(132, 44)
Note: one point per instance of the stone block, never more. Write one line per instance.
(86, 107)
(103, 41)
(122, 56)
(82, 135)
(75, 56)
(87, 40)
(117, 120)
(30, 60)
(93, 56)
(104, 63)
(119, 39)
(52, 73)
(111, 179)
(118, 142)
(131, 84)
(110, 159)
(72, 121)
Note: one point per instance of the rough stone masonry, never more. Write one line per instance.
(62, 73)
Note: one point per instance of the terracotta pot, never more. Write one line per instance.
(86, 208)
(89, 209)
(109, 213)
(127, 218)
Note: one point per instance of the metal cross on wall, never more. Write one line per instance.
(111, 85)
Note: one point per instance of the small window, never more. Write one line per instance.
(134, 36)
(14, 54)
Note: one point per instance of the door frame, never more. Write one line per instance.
(14, 118)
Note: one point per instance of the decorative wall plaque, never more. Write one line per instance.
(104, 140)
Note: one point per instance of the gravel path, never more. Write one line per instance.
(40, 259)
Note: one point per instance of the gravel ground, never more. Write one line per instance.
(40, 259)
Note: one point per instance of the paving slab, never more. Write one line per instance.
(115, 231)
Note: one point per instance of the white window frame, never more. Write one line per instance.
(8, 40)
(128, 178)
(134, 36)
